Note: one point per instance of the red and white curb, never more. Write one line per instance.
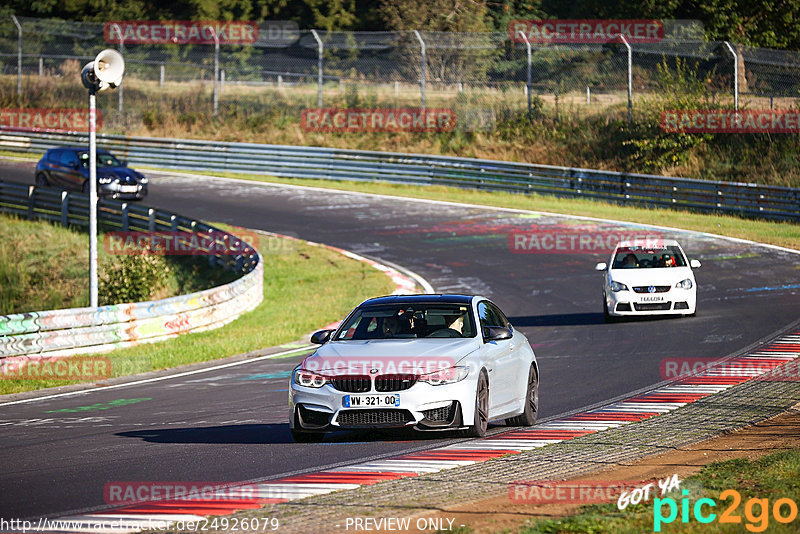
(635, 408)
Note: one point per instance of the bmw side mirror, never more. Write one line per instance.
(496, 333)
(600, 266)
(321, 336)
(694, 264)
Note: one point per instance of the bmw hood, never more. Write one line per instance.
(389, 356)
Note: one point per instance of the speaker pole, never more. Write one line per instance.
(92, 200)
(105, 72)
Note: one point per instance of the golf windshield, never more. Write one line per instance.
(648, 257)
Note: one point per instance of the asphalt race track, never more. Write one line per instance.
(231, 424)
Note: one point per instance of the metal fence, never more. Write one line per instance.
(368, 69)
(751, 200)
(86, 330)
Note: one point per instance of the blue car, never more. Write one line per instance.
(68, 168)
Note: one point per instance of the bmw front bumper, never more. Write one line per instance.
(422, 406)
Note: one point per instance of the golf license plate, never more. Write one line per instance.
(371, 401)
(656, 298)
(128, 189)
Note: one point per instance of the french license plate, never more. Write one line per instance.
(651, 299)
(371, 401)
(128, 189)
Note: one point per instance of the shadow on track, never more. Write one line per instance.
(274, 434)
(581, 319)
(230, 434)
(559, 319)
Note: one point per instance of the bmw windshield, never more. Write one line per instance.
(418, 320)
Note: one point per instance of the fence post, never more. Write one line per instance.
(735, 76)
(320, 50)
(222, 80)
(216, 73)
(161, 76)
(41, 66)
(422, 68)
(19, 56)
(528, 83)
(64, 208)
(212, 260)
(630, 77)
(31, 201)
(120, 88)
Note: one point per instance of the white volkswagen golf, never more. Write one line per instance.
(431, 362)
(648, 278)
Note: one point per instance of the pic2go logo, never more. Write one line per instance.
(756, 511)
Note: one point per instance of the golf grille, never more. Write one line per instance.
(646, 289)
(660, 306)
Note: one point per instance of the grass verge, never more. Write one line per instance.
(305, 287)
(52, 271)
(785, 234)
(43, 273)
(766, 480)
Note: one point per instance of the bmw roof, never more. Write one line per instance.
(409, 299)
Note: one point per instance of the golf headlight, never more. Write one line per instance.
(449, 375)
(308, 379)
(685, 284)
(616, 286)
(105, 179)
(142, 178)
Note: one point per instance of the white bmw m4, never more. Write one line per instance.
(431, 362)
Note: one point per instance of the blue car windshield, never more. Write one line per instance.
(104, 159)
(417, 320)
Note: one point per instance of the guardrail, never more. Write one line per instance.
(87, 330)
(752, 200)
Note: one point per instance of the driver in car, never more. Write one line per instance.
(455, 322)
(629, 261)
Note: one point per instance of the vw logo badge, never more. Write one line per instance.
(651, 289)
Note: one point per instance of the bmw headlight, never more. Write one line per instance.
(449, 375)
(616, 286)
(685, 284)
(105, 179)
(142, 178)
(308, 379)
